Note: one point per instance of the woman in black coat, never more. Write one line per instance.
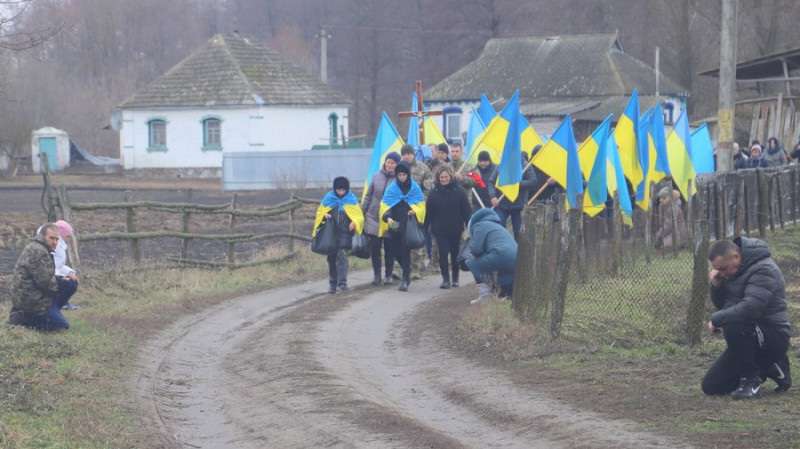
(448, 213)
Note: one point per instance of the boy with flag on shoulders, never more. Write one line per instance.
(342, 207)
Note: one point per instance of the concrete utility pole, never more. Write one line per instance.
(727, 85)
(323, 54)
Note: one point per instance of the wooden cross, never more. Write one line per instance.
(420, 114)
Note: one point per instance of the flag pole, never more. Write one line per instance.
(478, 197)
(539, 192)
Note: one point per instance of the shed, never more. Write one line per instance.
(52, 143)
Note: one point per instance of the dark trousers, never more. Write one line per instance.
(403, 256)
(744, 357)
(337, 268)
(66, 288)
(516, 219)
(375, 244)
(448, 245)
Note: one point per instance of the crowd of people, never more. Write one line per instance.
(758, 156)
(452, 203)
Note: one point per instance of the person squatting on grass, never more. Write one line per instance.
(67, 280)
(493, 250)
(34, 285)
(748, 290)
(341, 207)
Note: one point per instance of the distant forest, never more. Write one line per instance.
(68, 63)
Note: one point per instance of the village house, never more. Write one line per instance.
(588, 76)
(232, 95)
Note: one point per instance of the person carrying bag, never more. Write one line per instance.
(338, 217)
(401, 201)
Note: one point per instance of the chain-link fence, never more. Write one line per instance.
(595, 276)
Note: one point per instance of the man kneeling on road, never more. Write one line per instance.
(748, 290)
(34, 285)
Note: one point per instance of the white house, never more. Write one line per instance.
(53, 144)
(588, 76)
(232, 95)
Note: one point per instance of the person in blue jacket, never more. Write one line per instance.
(493, 250)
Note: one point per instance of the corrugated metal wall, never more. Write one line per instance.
(293, 169)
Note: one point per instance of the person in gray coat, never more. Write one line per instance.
(748, 289)
(371, 205)
(493, 250)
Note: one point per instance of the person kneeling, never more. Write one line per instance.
(493, 250)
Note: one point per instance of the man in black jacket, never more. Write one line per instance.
(748, 290)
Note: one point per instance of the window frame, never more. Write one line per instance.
(447, 114)
(152, 134)
(205, 122)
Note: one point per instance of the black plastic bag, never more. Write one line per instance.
(464, 254)
(326, 241)
(360, 247)
(413, 236)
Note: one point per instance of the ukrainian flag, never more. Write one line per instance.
(486, 109)
(559, 159)
(348, 204)
(386, 141)
(476, 127)
(702, 152)
(592, 156)
(656, 155)
(432, 132)
(626, 135)
(394, 195)
(509, 172)
(679, 151)
(616, 180)
(493, 137)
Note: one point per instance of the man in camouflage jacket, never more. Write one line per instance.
(34, 284)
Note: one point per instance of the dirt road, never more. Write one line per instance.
(371, 368)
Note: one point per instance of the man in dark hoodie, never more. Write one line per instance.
(748, 290)
(488, 172)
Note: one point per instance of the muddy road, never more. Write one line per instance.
(294, 368)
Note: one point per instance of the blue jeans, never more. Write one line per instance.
(66, 288)
(483, 266)
(51, 320)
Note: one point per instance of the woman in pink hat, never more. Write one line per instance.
(67, 280)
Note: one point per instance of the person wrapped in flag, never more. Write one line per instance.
(341, 207)
(403, 199)
(371, 205)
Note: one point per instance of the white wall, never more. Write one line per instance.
(278, 128)
(62, 148)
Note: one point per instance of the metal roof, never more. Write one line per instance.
(766, 66)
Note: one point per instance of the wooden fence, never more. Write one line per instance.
(59, 200)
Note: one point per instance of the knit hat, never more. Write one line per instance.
(341, 183)
(484, 156)
(393, 156)
(664, 192)
(64, 228)
(402, 167)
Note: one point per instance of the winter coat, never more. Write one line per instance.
(371, 205)
(34, 285)
(775, 157)
(665, 235)
(490, 243)
(756, 294)
(341, 223)
(466, 182)
(448, 209)
(748, 162)
(529, 181)
(489, 176)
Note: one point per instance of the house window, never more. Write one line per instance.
(212, 134)
(451, 119)
(157, 134)
(669, 113)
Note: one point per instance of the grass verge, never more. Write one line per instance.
(640, 372)
(70, 389)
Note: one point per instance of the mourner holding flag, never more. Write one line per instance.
(341, 207)
(402, 200)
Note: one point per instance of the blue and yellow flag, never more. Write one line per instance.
(394, 195)
(348, 204)
(432, 132)
(509, 171)
(492, 139)
(386, 141)
(486, 110)
(559, 159)
(476, 127)
(626, 135)
(643, 145)
(659, 141)
(592, 154)
(702, 151)
(413, 124)
(656, 154)
(679, 151)
(616, 181)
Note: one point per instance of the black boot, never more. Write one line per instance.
(376, 280)
(749, 387)
(332, 288)
(404, 285)
(388, 280)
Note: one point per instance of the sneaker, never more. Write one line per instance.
(332, 289)
(376, 280)
(749, 387)
(445, 285)
(781, 374)
(403, 286)
(388, 280)
(454, 284)
(344, 288)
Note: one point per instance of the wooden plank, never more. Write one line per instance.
(762, 119)
(753, 125)
(777, 123)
